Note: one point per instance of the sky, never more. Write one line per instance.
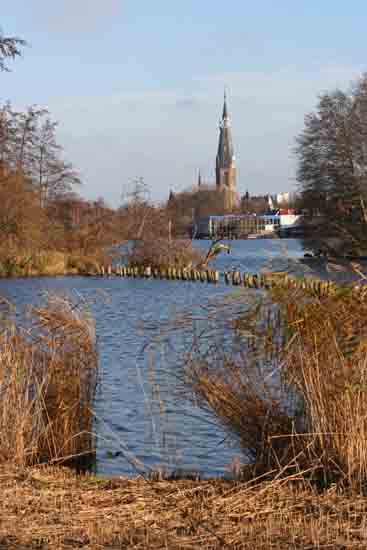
(137, 85)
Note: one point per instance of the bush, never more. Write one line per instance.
(164, 253)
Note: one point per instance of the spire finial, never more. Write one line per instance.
(225, 108)
(199, 179)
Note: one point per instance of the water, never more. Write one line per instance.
(140, 416)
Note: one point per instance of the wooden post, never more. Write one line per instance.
(236, 278)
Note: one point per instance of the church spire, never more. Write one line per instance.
(225, 108)
(225, 161)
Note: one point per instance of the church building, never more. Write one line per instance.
(225, 161)
(225, 165)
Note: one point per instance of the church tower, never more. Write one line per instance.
(225, 161)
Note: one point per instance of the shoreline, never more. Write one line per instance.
(53, 508)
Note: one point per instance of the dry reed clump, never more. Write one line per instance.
(47, 382)
(296, 397)
(164, 253)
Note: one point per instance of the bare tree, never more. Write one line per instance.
(10, 48)
(51, 174)
(332, 169)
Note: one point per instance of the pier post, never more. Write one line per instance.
(236, 278)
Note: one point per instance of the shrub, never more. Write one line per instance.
(164, 253)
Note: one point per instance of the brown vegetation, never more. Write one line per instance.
(296, 396)
(49, 508)
(164, 253)
(48, 373)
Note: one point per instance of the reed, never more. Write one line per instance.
(296, 396)
(48, 374)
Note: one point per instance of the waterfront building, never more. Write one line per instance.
(241, 226)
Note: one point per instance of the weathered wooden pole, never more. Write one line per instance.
(216, 277)
(236, 278)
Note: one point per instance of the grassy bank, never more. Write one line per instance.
(50, 263)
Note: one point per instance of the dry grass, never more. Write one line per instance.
(47, 379)
(53, 509)
(296, 398)
(15, 262)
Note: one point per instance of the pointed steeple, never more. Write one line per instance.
(225, 154)
(225, 161)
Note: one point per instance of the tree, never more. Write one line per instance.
(10, 48)
(28, 146)
(51, 174)
(332, 170)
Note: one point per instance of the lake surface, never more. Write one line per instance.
(141, 416)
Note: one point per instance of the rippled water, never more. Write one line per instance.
(138, 410)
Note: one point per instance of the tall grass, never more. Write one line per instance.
(296, 397)
(48, 374)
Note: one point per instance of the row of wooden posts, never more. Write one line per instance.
(236, 278)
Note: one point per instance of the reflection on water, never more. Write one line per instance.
(138, 407)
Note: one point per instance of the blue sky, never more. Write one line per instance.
(137, 85)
